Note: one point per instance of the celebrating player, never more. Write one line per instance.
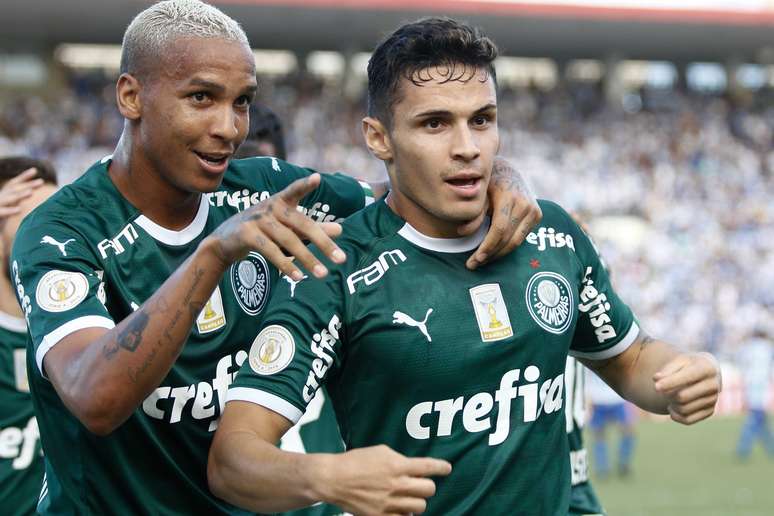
(26, 182)
(144, 281)
(435, 370)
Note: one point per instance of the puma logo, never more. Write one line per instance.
(401, 318)
(60, 245)
(293, 283)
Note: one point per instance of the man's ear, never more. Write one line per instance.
(128, 96)
(377, 139)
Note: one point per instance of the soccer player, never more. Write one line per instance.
(26, 182)
(435, 370)
(264, 136)
(143, 282)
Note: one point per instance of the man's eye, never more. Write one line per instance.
(199, 96)
(480, 120)
(433, 123)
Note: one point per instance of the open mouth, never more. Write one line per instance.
(463, 182)
(215, 160)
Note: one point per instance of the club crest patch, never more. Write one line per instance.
(59, 291)
(550, 301)
(491, 312)
(250, 281)
(272, 350)
(212, 316)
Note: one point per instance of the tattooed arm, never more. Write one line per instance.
(658, 378)
(102, 376)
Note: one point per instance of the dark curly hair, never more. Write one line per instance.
(414, 47)
(12, 166)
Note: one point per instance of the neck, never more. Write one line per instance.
(8, 303)
(144, 187)
(421, 219)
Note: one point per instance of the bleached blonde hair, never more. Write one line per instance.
(160, 24)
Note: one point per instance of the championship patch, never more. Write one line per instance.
(250, 281)
(212, 316)
(491, 312)
(59, 291)
(272, 350)
(549, 301)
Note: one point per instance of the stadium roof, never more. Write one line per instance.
(678, 30)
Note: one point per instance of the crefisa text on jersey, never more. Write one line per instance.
(537, 399)
(594, 303)
(549, 237)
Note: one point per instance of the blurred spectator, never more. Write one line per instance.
(265, 136)
(609, 409)
(756, 365)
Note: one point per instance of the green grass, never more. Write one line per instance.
(686, 471)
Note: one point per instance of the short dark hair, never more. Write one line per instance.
(419, 45)
(12, 166)
(265, 126)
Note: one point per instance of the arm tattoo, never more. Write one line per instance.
(130, 337)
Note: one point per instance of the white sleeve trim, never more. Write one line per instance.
(50, 340)
(265, 399)
(616, 350)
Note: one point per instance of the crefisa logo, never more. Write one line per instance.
(250, 281)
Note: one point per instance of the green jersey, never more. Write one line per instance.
(432, 359)
(88, 258)
(21, 461)
(583, 499)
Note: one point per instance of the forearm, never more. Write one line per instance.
(255, 475)
(107, 379)
(632, 375)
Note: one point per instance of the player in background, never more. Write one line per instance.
(265, 136)
(435, 370)
(24, 184)
(756, 360)
(144, 281)
(608, 409)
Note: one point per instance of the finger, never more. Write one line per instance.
(28, 174)
(416, 486)
(15, 196)
(693, 418)
(427, 467)
(670, 367)
(8, 211)
(274, 254)
(701, 389)
(686, 409)
(493, 237)
(407, 505)
(332, 229)
(296, 190)
(691, 374)
(306, 229)
(290, 242)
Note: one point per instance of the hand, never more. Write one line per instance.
(275, 224)
(691, 382)
(378, 480)
(514, 212)
(16, 190)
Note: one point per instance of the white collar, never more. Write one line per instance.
(445, 245)
(185, 235)
(11, 323)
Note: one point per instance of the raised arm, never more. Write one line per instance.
(658, 378)
(102, 373)
(247, 469)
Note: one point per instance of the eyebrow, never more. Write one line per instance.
(219, 88)
(444, 113)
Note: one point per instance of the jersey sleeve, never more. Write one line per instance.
(298, 349)
(606, 325)
(58, 284)
(337, 197)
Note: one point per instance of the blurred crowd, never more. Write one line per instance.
(678, 189)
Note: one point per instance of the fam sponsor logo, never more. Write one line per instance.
(118, 244)
(251, 282)
(322, 346)
(374, 272)
(550, 301)
(24, 300)
(549, 237)
(535, 397)
(196, 401)
(594, 304)
(244, 199)
(19, 444)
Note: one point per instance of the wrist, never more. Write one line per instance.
(318, 473)
(212, 251)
